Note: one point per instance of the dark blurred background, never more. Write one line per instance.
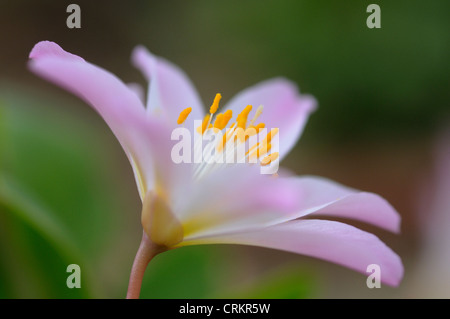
(67, 193)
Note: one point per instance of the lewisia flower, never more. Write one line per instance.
(191, 204)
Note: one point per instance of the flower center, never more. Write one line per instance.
(237, 134)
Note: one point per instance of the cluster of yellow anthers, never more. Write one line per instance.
(239, 130)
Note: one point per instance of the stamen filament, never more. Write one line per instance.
(259, 111)
(269, 135)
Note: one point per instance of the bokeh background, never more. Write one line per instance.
(67, 193)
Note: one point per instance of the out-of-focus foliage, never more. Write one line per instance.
(54, 200)
(287, 282)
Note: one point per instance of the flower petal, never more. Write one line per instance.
(170, 90)
(235, 198)
(138, 90)
(321, 196)
(258, 201)
(284, 108)
(332, 241)
(142, 138)
(48, 49)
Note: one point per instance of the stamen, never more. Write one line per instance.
(183, 115)
(226, 117)
(239, 132)
(215, 104)
(205, 123)
(262, 150)
(225, 138)
(242, 117)
(259, 111)
(218, 121)
(245, 112)
(260, 126)
(199, 128)
(241, 122)
(269, 159)
(252, 148)
(245, 135)
(250, 131)
(269, 135)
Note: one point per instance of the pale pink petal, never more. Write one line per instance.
(367, 207)
(284, 108)
(328, 240)
(170, 90)
(143, 139)
(138, 90)
(320, 196)
(151, 140)
(109, 96)
(48, 49)
(235, 198)
(239, 198)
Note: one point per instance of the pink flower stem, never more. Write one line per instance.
(147, 250)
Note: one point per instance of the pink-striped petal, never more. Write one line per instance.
(284, 108)
(328, 240)
(170, 90)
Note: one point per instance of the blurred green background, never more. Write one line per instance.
(67, 193)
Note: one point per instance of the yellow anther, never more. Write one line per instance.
(227, 117)
(218, 121)
(260, 126)
(269, 159)
(241, 122)
(205, 123)
(215, 104)
(245, 112)
(242, 117)
(183, 115)
(259, 111)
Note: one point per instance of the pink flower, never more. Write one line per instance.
(232, 204)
